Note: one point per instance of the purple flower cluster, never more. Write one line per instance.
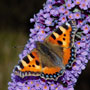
(54, 13)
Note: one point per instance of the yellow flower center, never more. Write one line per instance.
(66, 12)
(77, 14)
(52, 84)
(70, 16)
(86, 28)
(56, 88)
(78, 2)
(85, 0)
(45, 87)
(80, 21)
(38, 27)
(63, 9)
(37, 85)
(78, 43)
(49, 22)
(63, 18)
(83, 5)
(42, 31)
(68, 5)
(50, 6)
(28, 87)
(31, 82)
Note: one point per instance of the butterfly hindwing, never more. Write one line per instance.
(30, 64)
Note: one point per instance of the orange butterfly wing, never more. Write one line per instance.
(30, 64)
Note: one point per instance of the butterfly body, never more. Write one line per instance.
(51, 57)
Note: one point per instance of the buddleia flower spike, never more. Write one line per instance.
(50, 26)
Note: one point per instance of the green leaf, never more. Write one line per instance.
(76, 10)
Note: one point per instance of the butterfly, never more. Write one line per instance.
(53, 56)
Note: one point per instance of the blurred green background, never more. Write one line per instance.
(14, 31)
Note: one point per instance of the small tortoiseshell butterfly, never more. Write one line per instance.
(51, 57)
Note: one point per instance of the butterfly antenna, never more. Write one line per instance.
(18, 46)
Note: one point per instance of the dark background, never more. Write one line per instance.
(14, 31)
